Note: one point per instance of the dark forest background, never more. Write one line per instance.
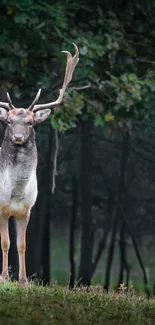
(99, 225)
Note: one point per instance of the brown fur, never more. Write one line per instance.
(18, 214)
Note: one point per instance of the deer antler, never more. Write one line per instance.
(5, 106)
(35, 100)
(71, 64)
(10, 102)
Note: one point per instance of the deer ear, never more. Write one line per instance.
(3, 115)
(41, 116)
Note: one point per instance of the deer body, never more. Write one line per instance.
(18, 163)
(18, 188)
(18, 192)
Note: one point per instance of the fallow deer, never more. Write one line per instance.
(18, 163)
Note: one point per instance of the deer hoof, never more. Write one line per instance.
(4, 278)
(23, 281)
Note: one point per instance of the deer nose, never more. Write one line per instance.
(18, 138)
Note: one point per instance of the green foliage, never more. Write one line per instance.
(129, 95)
(116, 55)
(30, 30)
(65, 116)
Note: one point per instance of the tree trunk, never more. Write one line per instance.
(72, 232)
(122, 255)
(147, 291)
(38, 263)
(110, 254)
(101, 247)
(46, 246)
(119, 203)
(46, 242)
(141, 265)
(86, 203)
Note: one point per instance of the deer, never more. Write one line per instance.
(18, 165)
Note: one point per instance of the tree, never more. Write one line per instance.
(113, 86)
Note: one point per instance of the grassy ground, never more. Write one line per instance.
(37, 305)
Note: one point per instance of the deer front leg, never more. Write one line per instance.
(21, 226)
(5, 245)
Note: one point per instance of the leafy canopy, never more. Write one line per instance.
(116, 44)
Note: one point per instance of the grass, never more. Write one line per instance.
(37, 305)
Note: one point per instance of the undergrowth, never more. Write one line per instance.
(38, 305)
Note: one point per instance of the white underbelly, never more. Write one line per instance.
(16, 205)
(17, 195)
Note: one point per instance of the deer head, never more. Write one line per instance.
(20, 121)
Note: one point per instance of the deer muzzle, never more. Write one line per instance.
(18, 138)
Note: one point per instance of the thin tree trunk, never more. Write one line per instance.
(40, 223)
(127, 276)
(110, 254)
(119, 203)
(127, 267)
(86, 203)
(122, 255)
(72, 232)
(105, 236)
(100, 248)
(46, 250)
(141, 265)
(139, 259)
(124, 266)
(137, 253)
(34, 243)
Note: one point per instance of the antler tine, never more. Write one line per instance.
(9, 105)
(5, 106)
(71, 64)
(10, 102)
(35, 100)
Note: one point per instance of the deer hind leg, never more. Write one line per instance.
(21, 226)
(5, 245)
